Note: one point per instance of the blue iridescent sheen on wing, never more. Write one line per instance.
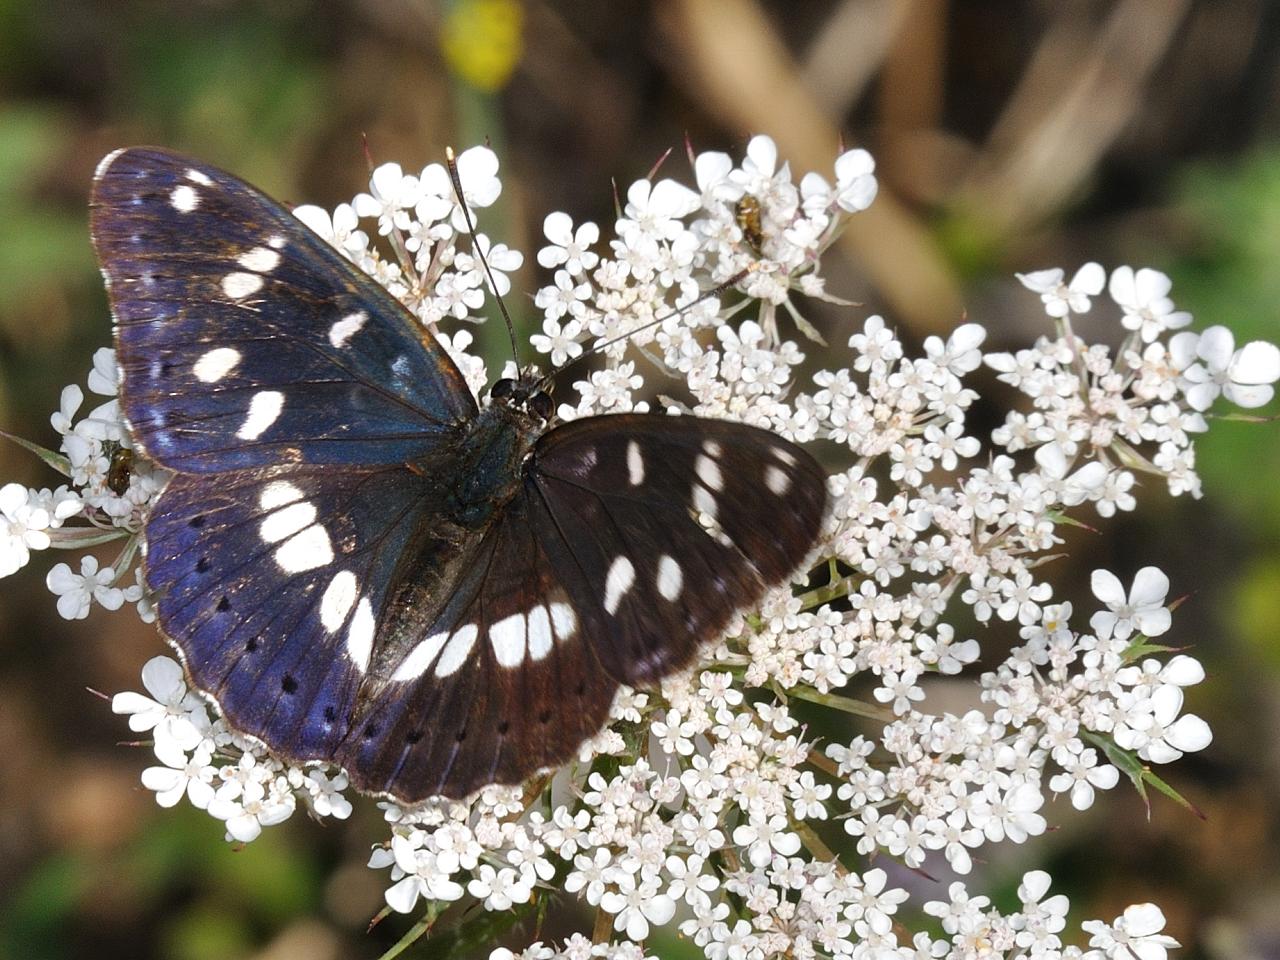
(247, 570)
(245, 340)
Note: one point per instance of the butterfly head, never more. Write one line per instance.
(526, 396)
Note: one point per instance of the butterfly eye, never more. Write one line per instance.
(502, 389)
(541, 405)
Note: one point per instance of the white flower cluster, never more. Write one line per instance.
(703, 806)
(213, 766)
(110, 491)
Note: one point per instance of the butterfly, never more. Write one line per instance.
(363, 565)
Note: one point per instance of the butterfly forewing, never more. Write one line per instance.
(245, 340)
(359, 565)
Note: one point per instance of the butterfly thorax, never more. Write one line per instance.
(477, 479)
(485, 467)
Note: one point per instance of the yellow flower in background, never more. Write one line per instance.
(482, 41)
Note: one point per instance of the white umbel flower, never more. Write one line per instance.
(1061, 298)
(1142, 609)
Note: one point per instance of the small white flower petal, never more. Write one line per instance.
(1189, 733)
(1107, 588)
(1150, 586)
(402, 896)
(1257, 362)
(163, 679)
(1215, 347)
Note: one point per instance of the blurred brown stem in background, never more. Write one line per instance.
(1076, 97)
(730, 57)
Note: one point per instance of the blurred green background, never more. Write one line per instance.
(1010, 136)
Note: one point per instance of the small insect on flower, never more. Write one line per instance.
(120, 470)
(747, 216)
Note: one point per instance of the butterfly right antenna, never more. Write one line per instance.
(604, 345)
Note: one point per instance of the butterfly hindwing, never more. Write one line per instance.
(246, 340)
(271, 584)
(587, 580)
(503, 682)
(293, 594)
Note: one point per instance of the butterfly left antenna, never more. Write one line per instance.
(452, 163)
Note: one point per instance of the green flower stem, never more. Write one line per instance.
(845, 704)
(824, 763)
(602, 931)
(832, 591)
(814, 844)
(416, 932)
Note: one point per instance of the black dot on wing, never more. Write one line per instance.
(202, 565)
(544, 717)
(197, 521)
(371, 731)
(461, 735)
(412, 737)
(251, 644)
(288, 684)
(330, 714)
(224, 605)
(503, 727)
(582, 688)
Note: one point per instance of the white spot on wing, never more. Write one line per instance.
(337, 600)
(184, 198)
(670, 578)
(238, 285)
(508, 638)
(703, 501)
(260, 260)
(360, 635)
(456, 650)
(305, 551)
(709, 472)
(540, 638)
(621, 576)
(277, 493)
(712, 448)
(346, 328)
(285, 523)
(776, 479)
(420, 657)
(198, 177)
(563, 620)
(784, 456)
(635, 464)
(275, 242)
(216, 364)
(264, 408)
